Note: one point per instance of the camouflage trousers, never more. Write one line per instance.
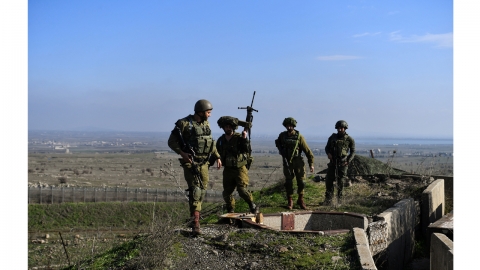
(235, 178)
(196, 193)
(297, 167)
(330, 178)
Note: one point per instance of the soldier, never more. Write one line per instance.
(233, 149)
(291, 144)
(338, 147)
(192, 140)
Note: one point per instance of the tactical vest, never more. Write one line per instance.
(290, 143)
(200, 137)
(229, 152)
(340, 145)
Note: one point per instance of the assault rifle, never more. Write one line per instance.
(283, 151)
(248, 127)
(189, 150)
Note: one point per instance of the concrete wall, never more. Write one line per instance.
(364, 255)
(377, 236)
(433, 204)
(317, 221)
(441, 252)
(400, 220)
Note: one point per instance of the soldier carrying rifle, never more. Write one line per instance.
(291, 144)
(192, 140)
(233, 148)
(340, 149)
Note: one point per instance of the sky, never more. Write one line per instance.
(385, 67)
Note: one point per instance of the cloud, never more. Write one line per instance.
(337, 57)
(366, 34)
(392, 13)
(440, 40)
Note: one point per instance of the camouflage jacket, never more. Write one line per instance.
(198, 135)
(293, 148)
(234, 152)
(340, 146)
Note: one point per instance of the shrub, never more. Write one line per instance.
(62, 179)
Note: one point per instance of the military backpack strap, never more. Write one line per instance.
(295, 148)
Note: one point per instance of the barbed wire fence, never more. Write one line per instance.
(51, 195)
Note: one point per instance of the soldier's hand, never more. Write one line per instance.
(244, 134)
(311, 168)
(219, 164)
(329, 156)
(186, 157)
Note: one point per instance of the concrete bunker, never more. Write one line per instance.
(319, 222)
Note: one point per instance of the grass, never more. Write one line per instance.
(129, 235)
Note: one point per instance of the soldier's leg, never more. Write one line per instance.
(342, 178)
(300, 175)
(288, 180)
(242, 180)
(228, 189)
(329, 179)
(196, 192)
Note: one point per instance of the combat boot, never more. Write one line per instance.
(253, 208)
(196, 224)
(300, 202)
(327, 201)
(290, 203)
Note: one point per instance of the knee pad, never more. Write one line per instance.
(197, 194)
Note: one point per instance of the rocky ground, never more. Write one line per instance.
(202, 254)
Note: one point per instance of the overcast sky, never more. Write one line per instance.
(385, 67)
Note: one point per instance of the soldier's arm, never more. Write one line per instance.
(243, 145)
(327, 148)
(173, 140)
(304, 147)
(173, 143)
(217, 155)
(277, 144)
(351, 155)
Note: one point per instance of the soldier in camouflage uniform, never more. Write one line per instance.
(195, 131)
(291, 144)
(233, 149)
(338, 147)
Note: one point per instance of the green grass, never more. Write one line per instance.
(305, 251)
(114, 215)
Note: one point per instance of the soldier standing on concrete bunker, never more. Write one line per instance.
(192, 140)
(338, 147)
(291, 144)
(233, 149)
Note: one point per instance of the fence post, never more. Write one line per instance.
(136, 194)
(116, 193)
(28, 195)
(40, 194)
(146, 190)
(73, 194)
(84, 194)
(105, 194)
(126, 191)
(63, 194)
(94, 194)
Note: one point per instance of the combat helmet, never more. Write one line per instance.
(289, 121)
(203, 105)
(228, 120)
(341, 123)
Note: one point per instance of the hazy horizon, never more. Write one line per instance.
(322, 137)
